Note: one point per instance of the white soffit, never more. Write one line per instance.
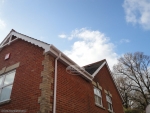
(99, 69)
(68, 61)
(45, 46)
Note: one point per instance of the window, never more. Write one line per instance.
(6, 83)
(109, 101)
(98, 96)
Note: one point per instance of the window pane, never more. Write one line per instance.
(9, 78)
(110, 106)
(1, 78)
(98, 100)
(99, 93)
(108, 99)
(95, 92)
(5, 94)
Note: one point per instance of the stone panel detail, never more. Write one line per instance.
(4, 69)
(47, 80)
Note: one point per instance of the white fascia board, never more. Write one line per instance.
(98, 69)
(68, 61)
(7, 43)
(114, 81)
(2, 43)
(45, 46)
(76, 68)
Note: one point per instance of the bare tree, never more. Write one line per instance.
(136, 66)
(125, 90)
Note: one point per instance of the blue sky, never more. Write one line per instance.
(85, 30)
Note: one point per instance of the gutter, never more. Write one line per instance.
(69, 62)
(59, 55)
(55, 84)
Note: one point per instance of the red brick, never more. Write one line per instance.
(25, 91)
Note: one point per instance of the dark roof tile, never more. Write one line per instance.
(91, 68)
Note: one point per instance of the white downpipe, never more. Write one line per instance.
(55, 84)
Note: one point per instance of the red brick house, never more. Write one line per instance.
(35, 78)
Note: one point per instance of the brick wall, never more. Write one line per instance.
(106, 82)
(75, 94)
(25, 91)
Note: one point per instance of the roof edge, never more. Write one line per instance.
(47, 48)
(114, 81)
(99, 68)
(68, 61)
(39, 43)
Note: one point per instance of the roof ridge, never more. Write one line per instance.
(94, 63)
(29, 36)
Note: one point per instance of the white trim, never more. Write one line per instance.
(48, 48)
(68, 61)
(95, 88)
(109, 102)
(3, 80)
(5, 39)
(110, 74)
(33, 41)
(10, 39)
(55, 84)
(114, 81)
(45, 46)
(75, 67)
(52, 49)
(7, 43)
(100, 106)
(5, 101)
(98, 69)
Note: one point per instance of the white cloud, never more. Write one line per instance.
(62, 36)
(124, 41)
(90, 47)
(3, 30)
(138, 12)
(2, 24)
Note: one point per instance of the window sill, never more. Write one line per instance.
(4, 102)
(111, 111)
(100, 106)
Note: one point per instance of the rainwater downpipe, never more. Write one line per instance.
(55, 84)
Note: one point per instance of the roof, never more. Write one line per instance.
(48, 48)
(94, 68)
(91, 68)
(18, 35)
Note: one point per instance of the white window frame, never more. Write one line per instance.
(3, 86)
(99, 96)
(109, 103)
